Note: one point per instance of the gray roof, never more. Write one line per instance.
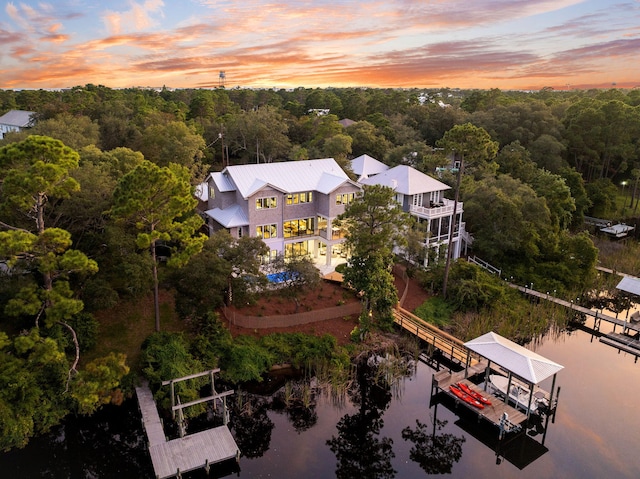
(323, 176)
(365, 166)
(519, 360)
(406, 180)
(630, 285)
(231, 217)
(17, 118)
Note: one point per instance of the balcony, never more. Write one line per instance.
(436, 210)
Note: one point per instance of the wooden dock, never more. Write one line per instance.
(622, 342)
(597, 316)
(493, 413)
(194, 451)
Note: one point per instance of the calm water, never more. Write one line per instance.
(596, 433)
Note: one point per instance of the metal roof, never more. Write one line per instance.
(222, 181)
(365, 166)
(630, 285)
(231, 217)
(519, 360)
(406, 180)
(323, 175)
(19, 118)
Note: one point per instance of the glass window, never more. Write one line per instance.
(301, 227)
(267, 231)
(345, 198)
(269, 202)
(299, 198)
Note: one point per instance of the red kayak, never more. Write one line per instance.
(465, 397)
(474, 394)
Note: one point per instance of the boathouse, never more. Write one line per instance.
(520, 365)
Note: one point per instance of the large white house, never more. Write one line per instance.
(15, 120)
(422, 197)
(291, 205)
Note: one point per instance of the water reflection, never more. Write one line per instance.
(250, 425)
(434, 453)
(110, 444)
(358, 449)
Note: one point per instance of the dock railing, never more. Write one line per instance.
(450, 346)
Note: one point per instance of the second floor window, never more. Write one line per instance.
(345, 198)
(267, 231)
(298, 198)
(268, 202)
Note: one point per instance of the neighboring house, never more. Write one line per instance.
(291, 205)
(346, 122)
(422, 197)
(15, 120)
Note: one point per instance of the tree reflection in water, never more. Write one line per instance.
(360, 453)
(434, 453)
(251, 425)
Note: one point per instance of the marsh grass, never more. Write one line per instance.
(622, 256)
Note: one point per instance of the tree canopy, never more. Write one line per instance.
(159, 203)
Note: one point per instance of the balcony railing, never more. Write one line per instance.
(436, 210)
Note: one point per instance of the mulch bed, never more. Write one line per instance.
(325, 295)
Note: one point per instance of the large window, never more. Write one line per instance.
(292, 250)
(267, 231)
(302, 227)
(345, 198)
(299, 198)
(268, 202)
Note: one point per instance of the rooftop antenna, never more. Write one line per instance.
(221, 78)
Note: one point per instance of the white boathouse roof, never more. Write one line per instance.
(519, 360)
(629, 284)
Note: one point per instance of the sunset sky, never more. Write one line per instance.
(506, 44)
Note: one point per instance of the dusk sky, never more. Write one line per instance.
(506, 44)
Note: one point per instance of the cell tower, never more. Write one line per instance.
(221, 78)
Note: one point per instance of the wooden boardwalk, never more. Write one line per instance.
(150, 416)
(194, 451)
(450, 346)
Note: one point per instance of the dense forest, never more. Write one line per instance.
(105, 176)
